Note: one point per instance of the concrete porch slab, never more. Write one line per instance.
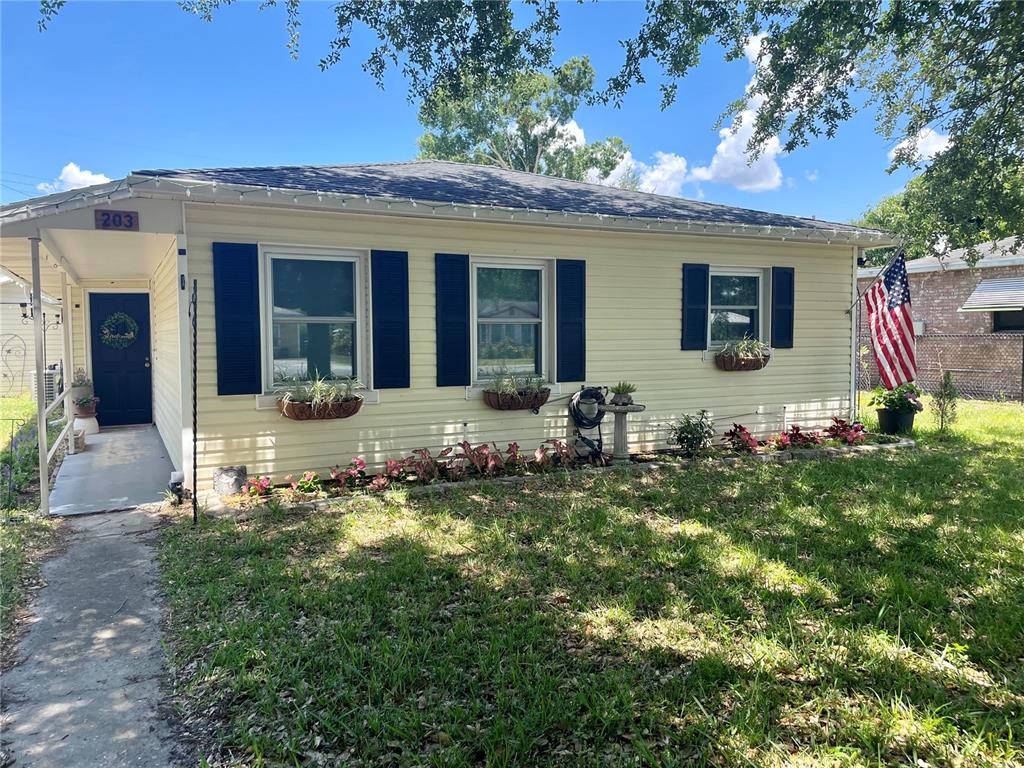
(120, 468)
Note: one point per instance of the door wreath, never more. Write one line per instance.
(119, 331)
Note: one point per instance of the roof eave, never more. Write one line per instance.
(304, 199)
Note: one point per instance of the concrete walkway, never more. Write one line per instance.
(120, 468)
(88, 691)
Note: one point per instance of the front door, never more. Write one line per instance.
(121, 373)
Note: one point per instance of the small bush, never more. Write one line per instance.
(845, 431)
(944, 401)
(692, 434)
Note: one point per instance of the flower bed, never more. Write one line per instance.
(424, 470)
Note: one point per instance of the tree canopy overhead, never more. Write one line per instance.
(525, 124)
(949, 68)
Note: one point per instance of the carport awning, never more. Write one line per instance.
(1002, 295)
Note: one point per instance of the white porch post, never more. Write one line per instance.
(37, 325)
(67, 358)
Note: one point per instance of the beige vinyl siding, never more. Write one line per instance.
(166, 355)
(633, 331)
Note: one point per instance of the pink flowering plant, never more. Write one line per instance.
(260, 486)
(307, 482)
(846, 432)
(740, 440)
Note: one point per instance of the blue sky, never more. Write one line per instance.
(113, 87)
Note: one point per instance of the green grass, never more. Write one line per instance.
(859, 611)
(20, 408)
(25, 538)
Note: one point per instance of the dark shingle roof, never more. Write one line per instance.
(446, 182)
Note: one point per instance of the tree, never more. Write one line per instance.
(525, 125)
(944, 402)
(912, 215)
(946, 68)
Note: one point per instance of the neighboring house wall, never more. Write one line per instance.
(166, 354)
(983, 363)
(17, 342)
(633, 332)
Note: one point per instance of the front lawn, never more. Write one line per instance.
(852, 612)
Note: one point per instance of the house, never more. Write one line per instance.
(968, 319)
(17, 338)
(420, 279)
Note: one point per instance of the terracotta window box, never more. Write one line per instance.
(298, 410)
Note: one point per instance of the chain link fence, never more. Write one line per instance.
(985, 366)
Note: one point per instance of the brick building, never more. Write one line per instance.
(981, 343)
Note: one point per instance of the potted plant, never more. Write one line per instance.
(511, 392)
(85, 407)
(747, 354)
(622, 393)
(321, 398)
(896, 408)
(81, 385)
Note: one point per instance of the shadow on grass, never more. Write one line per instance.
(871, 606)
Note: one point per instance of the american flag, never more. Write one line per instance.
(891, 325)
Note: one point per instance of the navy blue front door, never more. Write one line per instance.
(121, 372)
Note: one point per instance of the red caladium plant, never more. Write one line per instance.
(846, 432)
(740, 440)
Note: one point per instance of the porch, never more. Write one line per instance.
(115, 299)
(123, 468)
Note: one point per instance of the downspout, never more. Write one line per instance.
(854, 330)
(37, 327)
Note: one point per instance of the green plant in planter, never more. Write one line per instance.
(622, 393)
(693, 434)
(86, 406)
(746, 348)
(321, 394)
(896, 407)
(80, 379)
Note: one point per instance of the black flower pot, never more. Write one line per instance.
(894, 422)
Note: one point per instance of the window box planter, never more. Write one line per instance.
(726, 362)
(895, 422)
(516, 401)
(299, 410)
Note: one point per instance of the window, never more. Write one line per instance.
(1009, 320)
(735, 306)
(509, 319)
(314, 319)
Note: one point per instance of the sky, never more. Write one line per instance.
(113, 87)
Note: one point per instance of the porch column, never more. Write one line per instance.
(67, 359)
(37, 326)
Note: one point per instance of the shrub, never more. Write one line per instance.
(944, 402)
(800, 439)
(740, 440)
(693, 434)
(845, 431)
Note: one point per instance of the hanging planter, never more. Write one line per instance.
(321, 399)
(299, 410)
(516, 401)
(744, 355)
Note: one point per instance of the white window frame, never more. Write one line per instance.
(547, 311)
(763, 275)
(360, 281)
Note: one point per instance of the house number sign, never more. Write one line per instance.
(126, 221)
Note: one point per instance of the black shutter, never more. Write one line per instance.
(451, 292)
(695, 306)
(571, 323)
(236, 299)
(389, 290)
(783, 303)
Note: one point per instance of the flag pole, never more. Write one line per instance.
(881, 272)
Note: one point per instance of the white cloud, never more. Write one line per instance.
(927, 144)
(752, 48)
(811, 175)
(664, 176)
(72, 177)
(731, 163)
